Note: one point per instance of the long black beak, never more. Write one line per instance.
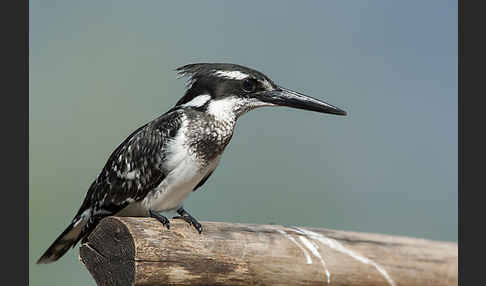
(286, 97)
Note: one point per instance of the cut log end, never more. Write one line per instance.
(139, 251)
(109, 253)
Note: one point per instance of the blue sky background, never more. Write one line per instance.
(100, 69)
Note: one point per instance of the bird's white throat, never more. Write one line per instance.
(231, 107)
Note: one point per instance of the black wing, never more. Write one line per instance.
(134, 168)
(202, 181)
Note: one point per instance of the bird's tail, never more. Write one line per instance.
(69, 237)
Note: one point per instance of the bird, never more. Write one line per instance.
(159, 164)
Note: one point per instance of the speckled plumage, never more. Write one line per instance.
(135, 167)
(139, 164)
(207, 137)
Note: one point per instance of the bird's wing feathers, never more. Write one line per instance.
(202, 181)
(134, 168)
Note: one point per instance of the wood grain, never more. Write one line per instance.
(139, 251)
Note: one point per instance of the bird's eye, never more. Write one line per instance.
(249, 85)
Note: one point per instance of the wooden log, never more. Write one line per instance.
(140, 251)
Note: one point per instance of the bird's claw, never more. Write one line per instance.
(162, 219)
(191, 221)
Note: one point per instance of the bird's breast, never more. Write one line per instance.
(178, 184)
(206, 137)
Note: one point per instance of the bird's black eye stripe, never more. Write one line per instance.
(249, 85)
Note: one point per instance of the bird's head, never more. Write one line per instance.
(223, 87)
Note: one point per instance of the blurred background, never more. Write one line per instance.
(100, 69)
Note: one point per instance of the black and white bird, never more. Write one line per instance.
(163, 161)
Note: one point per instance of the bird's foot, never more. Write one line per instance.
(161, 218)
(189, 219)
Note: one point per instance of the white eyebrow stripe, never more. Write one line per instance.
(267, 85)
(198, 101)
(231, 74)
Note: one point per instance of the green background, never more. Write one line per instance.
(100, 69)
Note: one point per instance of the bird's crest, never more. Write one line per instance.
(218, 70)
